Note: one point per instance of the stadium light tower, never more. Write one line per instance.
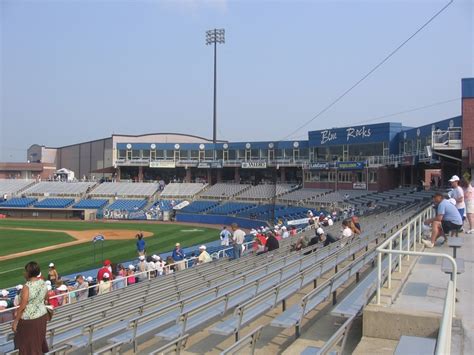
(213, 37)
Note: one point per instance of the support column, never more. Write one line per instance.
(188, 175)
(282, 175)
(140, 174)
(117, 178)
(209, 176)
(219, 175)
(237, 176)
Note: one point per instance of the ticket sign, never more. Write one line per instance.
(350, 165)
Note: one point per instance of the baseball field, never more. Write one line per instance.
(69, 245)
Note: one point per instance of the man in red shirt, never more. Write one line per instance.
(104, 269)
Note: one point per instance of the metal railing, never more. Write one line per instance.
(415, 226)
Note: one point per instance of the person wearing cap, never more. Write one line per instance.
(80, 287)
(4, 296)
(458, 194)
(159, 265)
(31, 316)
(469, 201)
(284, 232)
(178, 256)
(52, 299)
(131, 279)
(238, 238)
(293, 231)
(347, 231)
(104, 269)
(62, 291)
(104, 285)
(324, 237)
(53, 275)
(141, 245)
(225, 236)
(151, 266)
(204, 256)
(142, 269)
(91, 283)
(272, 242)
(119, 281)
(447, 219)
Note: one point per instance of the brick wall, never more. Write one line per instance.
(468, 130)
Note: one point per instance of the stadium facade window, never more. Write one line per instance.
(194, 154)
(232, 154)
(136, 154)
(360, 177)
(279, 153)
(418, 145)
(255, 154)
(240, 154)
(359, 152)
(146, 154)
(304, 153)
(209, 154)
(219, 154)
(160, 154)
(122, 154)
(296, 154)
(345, 176)
(288, 153)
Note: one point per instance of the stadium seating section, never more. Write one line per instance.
(231, 208)
(175, 190)
(18, 202)
(223, 190)
(13, 186)
(54, 203)
(264, 192)
(199, 206)
(127, 205)
(303, 195)
(91, 204)
(57, 188)
(125, 189)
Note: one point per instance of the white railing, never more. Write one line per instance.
(415, 226)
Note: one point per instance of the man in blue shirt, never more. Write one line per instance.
(447, 219)
(178, 257)
(140, 244)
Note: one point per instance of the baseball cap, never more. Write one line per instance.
(106, 275)
(141, 257)
(107, 262)
(62, 288)
(47, 282)
(89, 279)
(4, 293)
(177, 245)
(51, 264)
(454, 178)
(202, 247)
(19, 287)
(3, 304)
(319, 231)
(131, 267)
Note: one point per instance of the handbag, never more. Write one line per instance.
(50, 312)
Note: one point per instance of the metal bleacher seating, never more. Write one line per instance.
(182, 190)
(223, 190)
(127, 205)
(125, 189)
(303, 195)
(54, 203)
(12, 187)
(91, 203)
(231, 208)
(264, 192)
(18, 202)
(58, 188)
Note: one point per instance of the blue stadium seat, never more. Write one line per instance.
(91, 204)
(199, 206)
(18, 202)
(55, 203)
(127, 205)
(231, 208)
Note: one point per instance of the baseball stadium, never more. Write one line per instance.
(128, 232)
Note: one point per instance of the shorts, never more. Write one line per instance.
(461, 212)
(449, 226)
(470, 206)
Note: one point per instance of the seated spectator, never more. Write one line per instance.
(346, 229)
(447, 219)
(178, 257)
(170, 265)
(159, 265)
(293, 231)
(141, 269)
(204, 256)
(92, 290)
(104, 269)
(258, 246)
(62, 292)
(16, 300)
(150, 266)
(356, 225)
(324, 237)
(4, 297)
(80, 288)
(272, 242)
(53, 275)
(105, 285)
(131, 279)
(302, 242)
(121, 277)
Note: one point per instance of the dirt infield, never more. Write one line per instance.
(80, 236)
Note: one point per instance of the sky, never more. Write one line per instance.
(78, 70)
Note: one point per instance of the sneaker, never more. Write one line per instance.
(440, 241)
(470, 231)
(428, 243)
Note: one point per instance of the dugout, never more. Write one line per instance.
(49, 213)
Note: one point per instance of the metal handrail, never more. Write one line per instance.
(415, 225)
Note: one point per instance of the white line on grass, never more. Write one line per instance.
(4, 272)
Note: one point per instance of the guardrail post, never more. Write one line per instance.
(409, 238)
(400, 247)
(390, 245)
(379, 274)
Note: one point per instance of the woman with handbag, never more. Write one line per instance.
(29, 325)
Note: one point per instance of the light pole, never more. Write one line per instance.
(213, 37)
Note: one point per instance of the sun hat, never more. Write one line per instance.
(51, 264)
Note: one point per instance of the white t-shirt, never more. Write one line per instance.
(330, 222)
(457, 193)
(239, 236)
(347, 232)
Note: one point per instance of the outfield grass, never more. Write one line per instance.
(80, 257)
(15, 241)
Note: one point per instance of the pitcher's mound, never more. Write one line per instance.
(109, 234)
